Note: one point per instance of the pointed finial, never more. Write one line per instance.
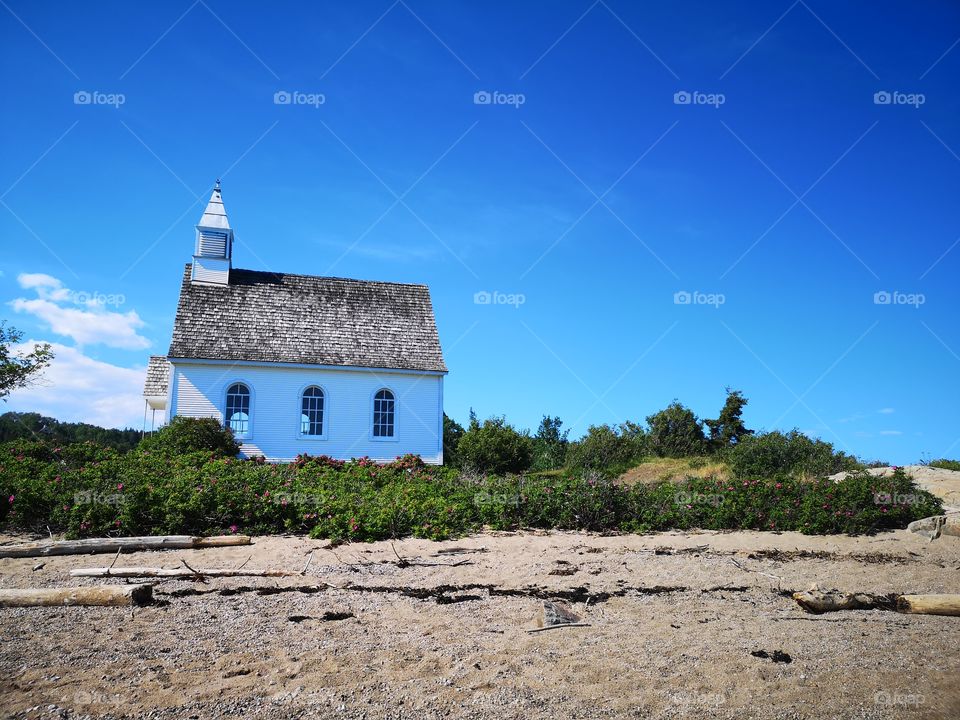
(217, 186)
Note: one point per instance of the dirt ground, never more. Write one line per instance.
(674, 620)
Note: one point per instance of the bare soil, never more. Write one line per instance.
(696, 625)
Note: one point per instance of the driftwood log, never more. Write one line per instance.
(103, 595)
(816, 601)
(929, 604)
(123, 544)
(144, 572)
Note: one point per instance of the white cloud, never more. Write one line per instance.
(891, 432)
(77, 388)
(90, 323)
(886, 411)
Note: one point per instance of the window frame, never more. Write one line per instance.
(250, 406)
(326, 413)
(373, 400)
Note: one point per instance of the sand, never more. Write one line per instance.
(673, 621)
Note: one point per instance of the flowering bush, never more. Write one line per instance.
(86, 490)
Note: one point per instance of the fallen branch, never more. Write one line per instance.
(123, 544)
(101, 595)
(138, 572)
(554, 627)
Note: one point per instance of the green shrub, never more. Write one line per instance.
(88, 491)
(676, 432)
(792, 454)
(945, 464)
(186, 435)
(495, 447)
(607, 450)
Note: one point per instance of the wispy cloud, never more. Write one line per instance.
(80, 315)
(891, 432)
(886, 411)
(78, 388)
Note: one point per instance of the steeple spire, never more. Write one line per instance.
(215, 216)
(214, 245)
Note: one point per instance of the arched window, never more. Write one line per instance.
(238, 408)
(311, 411)
(383, 414)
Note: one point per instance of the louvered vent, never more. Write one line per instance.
(213, 243)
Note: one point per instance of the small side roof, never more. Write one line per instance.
(158, 376)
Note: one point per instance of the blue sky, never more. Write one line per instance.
(735, 153)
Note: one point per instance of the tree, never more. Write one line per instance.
(14, 425)
(494, 447)
(549, 444)
(187, 434)
(452, 432)
(728, 429)
(676, 432)
(18, 369)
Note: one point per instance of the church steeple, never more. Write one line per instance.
(214, 244)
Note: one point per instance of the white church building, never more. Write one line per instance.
(298, 363)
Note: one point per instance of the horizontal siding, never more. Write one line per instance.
(214, 270)
(275, 409)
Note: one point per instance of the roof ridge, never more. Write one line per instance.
(329, 277)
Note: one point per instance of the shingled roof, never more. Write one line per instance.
(279, 317)
(158, 375)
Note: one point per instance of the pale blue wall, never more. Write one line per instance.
(199, 390)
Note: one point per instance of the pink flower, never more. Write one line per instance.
(233, 528)
(12, 498)
(745, 483)
(778, 486)
(119, 486)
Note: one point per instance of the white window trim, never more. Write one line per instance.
(248, 435)
(396, 415)
(326, 413)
